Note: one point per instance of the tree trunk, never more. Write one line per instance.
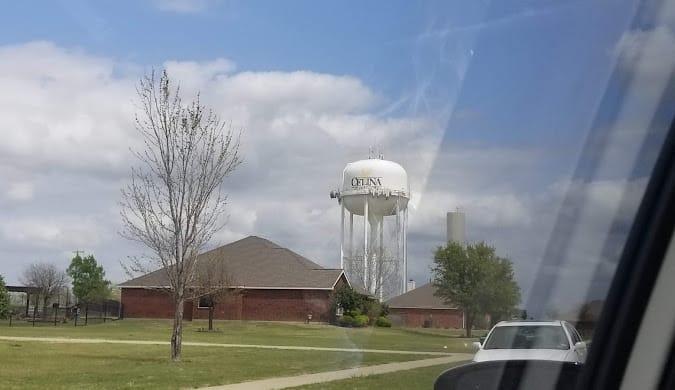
(177, 335)
(469, 324)
(211, 310)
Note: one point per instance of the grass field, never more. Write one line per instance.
(266, 333)
(43, 365)
(419, 378)
(28, 365)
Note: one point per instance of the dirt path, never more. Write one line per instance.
(321, 377)
(198, 344)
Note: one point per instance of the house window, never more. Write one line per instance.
(204, 303)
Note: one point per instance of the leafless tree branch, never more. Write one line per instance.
(174, 201)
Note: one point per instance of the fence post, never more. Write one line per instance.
(34, 312)
(10, 318)
(86, 314)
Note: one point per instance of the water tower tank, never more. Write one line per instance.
(385, 181)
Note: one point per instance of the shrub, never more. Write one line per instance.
(346, 321)
(384, 309)
(383, 322)
(4, 300)
(361, 320)
(373, 310)
(348, 299)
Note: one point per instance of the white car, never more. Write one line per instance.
(532, 340)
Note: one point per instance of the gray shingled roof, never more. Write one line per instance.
(255, 262)
(421, 298)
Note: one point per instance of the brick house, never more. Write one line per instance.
(421, 308)
(270, 283)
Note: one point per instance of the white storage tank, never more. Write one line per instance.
(385, 181)
(456, 222)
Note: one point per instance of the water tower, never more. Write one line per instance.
(374, 215)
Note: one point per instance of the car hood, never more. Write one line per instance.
(521, 354)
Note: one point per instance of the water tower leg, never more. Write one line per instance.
(342, 236)
(365, 242)
(405, 251)
(351, 235)
(380, 268)
(372, 261)
(397, 256)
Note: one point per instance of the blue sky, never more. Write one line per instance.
(486, 103)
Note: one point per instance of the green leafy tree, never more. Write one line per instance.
(348, 299)
(354, 304)
(476, 280)
(504, 293)
(89, 284)
(4, 300)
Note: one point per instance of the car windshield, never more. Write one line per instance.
(527, 337)
(316, 186)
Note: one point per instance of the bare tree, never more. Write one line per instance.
(213, 284)
(174, 203)
(47, 278)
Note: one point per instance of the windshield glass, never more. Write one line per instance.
(527, 337)
(317, 186)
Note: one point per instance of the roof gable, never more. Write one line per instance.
(420, 298)
(255, 262)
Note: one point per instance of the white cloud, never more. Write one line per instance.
(183, 6)
(196, 74)
(63, 232)
(650, 56)
(63, 109)
(491, 210)
(20, 191)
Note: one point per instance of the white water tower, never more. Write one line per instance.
(373, 249)
(456, 227)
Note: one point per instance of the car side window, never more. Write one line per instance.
(576, 333)
(573, 333)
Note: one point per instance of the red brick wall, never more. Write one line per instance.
(286, 305)
(142, 303)
(260, 305)
(439, 318)
(228, 309)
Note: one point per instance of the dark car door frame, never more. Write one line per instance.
(636, 272)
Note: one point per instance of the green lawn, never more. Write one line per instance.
(25, 365)
(267, 333)
(419, 378)
(83, 366)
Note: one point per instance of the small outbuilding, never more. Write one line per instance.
(421, 308)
